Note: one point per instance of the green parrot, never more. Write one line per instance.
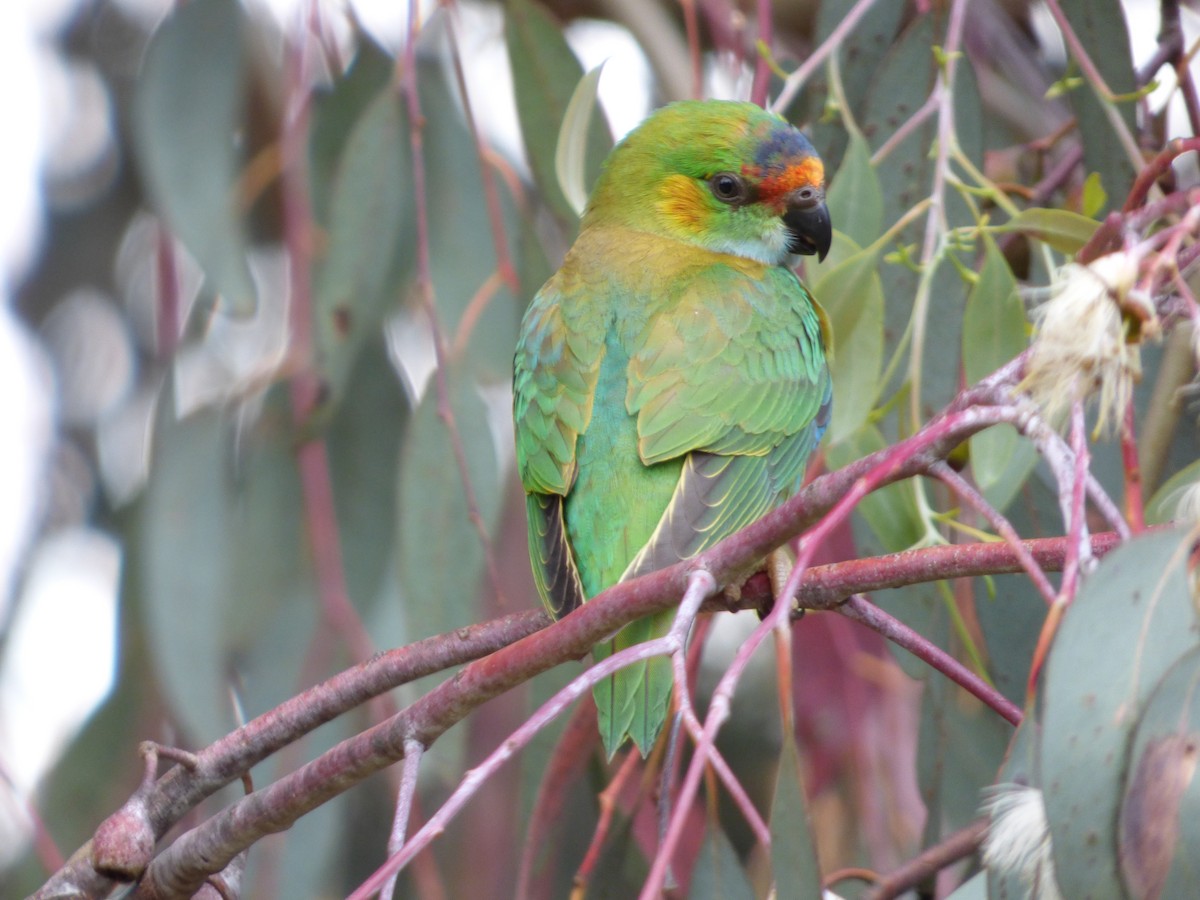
(670, 380)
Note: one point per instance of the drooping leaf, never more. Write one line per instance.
(899, 87)
(860, 54)
(891, 512)
(570, 154)
(1062, 229)
(363, 442)
(370, 240)
(718, 873)
(479, 314)
(1163, 506)
(336, 109)
(220, 546)
(1102, 30)
(186, 109)
(961, 745)
(793, 849)
(855, 198)
(852, 296)
(545, 75)
(1131, 621)
(1159, 837)
(440, 555)
(994, 331)
(974, 888)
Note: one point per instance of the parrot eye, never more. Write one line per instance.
(727, 187)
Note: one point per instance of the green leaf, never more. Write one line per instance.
(899, 87)
(994, 331)
(1102, 29)
(187, 106)
(1020, 768)
(570, 154)
(855, 198)
(793, 849)
(1131, 621)
(859, 55)
(1159, 840)
(891, 512)
(718, 873)
(479, 323)
(440, 556)
(1094, 195)
(545, 75)
(1165, 502)
(974, 888)
(220, 547)
(1062, 229)
(370, 243)
(852, 296)
(363, 442)
(336, 110)
(960, 747)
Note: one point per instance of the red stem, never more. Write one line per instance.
(762, 71)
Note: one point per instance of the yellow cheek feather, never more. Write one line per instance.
(683, 204)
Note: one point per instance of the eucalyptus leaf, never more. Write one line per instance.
(570, 154)
(545, 76)
(370, 244)
(852, 296)
(793, 847)
(1062, 229)
(187, 106)
(855, 198)
(440, 555)
(1163, 506)
(718, 873)
(891, 512)
(220, 548)
(994, 332)
(1159, 837)
(1103, 31)
(1133, 618)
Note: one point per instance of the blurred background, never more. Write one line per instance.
(141, 453)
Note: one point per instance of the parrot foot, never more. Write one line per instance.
(780, 563)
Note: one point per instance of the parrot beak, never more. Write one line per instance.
(810, 230)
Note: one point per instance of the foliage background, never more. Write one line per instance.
(318, 465)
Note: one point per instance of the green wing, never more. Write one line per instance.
(747, 401)
(554, 382)
(646, 437)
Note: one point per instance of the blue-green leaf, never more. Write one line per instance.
(793, 850)
(994, 331)
(186, 108)
(852, 296)
(1131, 621)
(855, 198)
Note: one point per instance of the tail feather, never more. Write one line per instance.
(633, 702)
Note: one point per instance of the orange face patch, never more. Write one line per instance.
(807, 173)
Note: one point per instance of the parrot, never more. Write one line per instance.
(670, 380)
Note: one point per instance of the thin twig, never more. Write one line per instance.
(410, 771)
(796, 80)
(700, 585)
(925, 866)
(1004, 528)
(862, 610)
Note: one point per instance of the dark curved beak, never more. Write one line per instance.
(809, 229)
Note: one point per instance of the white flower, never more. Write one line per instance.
(1086, 339)
(1018, 840)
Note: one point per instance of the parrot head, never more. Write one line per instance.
(726, 176)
